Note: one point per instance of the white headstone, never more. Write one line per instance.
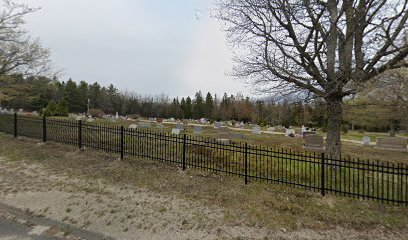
(290, 132)
(217, 125)
(117, 115)
(270, 129)
(133, 126)
(175, 131)
(256, 130)
(90, 119)
(366, 140)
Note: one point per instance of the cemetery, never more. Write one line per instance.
(143, 133)
(355, 144)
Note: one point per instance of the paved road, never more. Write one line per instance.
(10, 230)
(17, 224)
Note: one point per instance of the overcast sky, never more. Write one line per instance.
(149, 47)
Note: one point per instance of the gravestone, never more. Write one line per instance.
(35, 114)
(117, 115)
(217, 125)
(172, 120)
(290, 132)
(237, 136)
(198, 130)
(78, 118)
(366, 140)
(175, 131)
(305, 133)
(314, 143)
(256, 130)
(237, 125)
(185, 124)
(144, 125)
(392, 143)
(90, 119)
(223, 133)
(133, 126)
(270, 129)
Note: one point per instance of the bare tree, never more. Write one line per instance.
(328, 48)
(18, 52)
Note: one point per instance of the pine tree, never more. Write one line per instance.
(209, 106)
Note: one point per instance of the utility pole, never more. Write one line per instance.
(88, 107)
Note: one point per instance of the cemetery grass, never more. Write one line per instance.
(257, 205)
(279, 141)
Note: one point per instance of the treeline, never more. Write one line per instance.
(35, 93)
(62, 97)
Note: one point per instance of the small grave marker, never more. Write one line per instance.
(392, 143)
(290, 132)
(366, 140)
(314, 143)
(175, 131)
(256, 130)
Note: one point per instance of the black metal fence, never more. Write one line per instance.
(382, 181)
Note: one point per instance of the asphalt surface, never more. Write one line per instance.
(10, 230)
(18, 224)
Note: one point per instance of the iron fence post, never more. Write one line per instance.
(122, 148)
(184, 151)
(246, 163)
(79, 134)
(322, 175)
(44, 128)
(15, 124)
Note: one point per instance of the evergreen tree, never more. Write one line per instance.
(72, 96)
(61, 109)
(209, 106)
(50, 109)
(198, 108)
(188, 108)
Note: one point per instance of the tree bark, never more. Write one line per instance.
(334, 118)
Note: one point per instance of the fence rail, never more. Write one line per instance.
(381, 181)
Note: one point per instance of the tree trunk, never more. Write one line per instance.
(392, 128)
(334, 118)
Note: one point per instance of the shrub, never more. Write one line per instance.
(61, 109)
(134, 116)
(94, 112)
